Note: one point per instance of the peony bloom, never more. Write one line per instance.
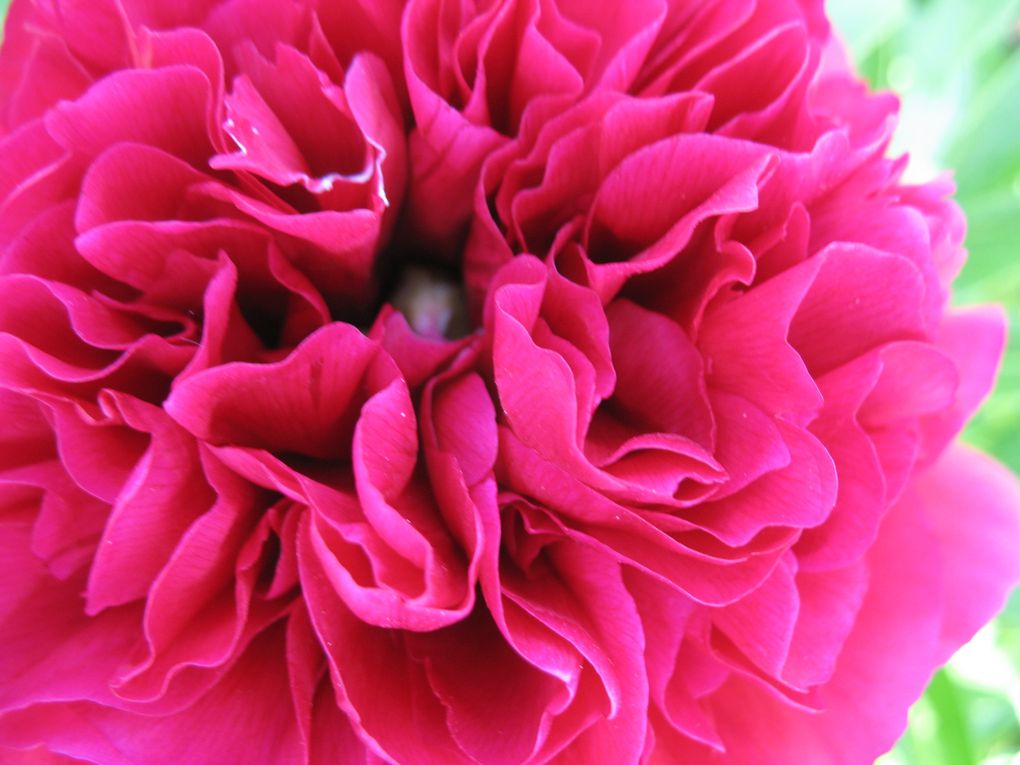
(491, 381)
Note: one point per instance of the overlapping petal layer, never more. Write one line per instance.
(679, 491)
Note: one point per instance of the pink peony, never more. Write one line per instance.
(531, 381)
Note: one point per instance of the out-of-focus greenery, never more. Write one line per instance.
(956, 67)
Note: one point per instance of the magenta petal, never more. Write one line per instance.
(599, 589)
(471, 667)
(164, 493)
(935, 576)
(974, 339)
(49, 651)
(190, 616)
(135, 182)
(304, 404)
(800, 494)
(660, 374)
(762, 624)
(394, 712)
(634, 228)
(754, 358)
(882, 669)
(536, 385)
(46, 248)
(417, 357)
(680, 491)
(750, 442)
(916, 380)
(715, 577)
(979, 547)
(863, 487)
(240, 718)
(829, 603)
(35, 756)
(333, 739)
(571, 601)
(50, 74)
(843, 316)
(164, 108)
(264, 146)
(98, 455)
(37, 174)
(464, 419)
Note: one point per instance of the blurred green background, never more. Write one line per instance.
(956, 67)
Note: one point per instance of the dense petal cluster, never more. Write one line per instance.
(475, 381)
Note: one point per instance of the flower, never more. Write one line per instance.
(482, 382)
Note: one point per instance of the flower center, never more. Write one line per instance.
(433, 302)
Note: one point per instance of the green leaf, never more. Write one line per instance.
(865, 24)
(949, 705)
(985, 148)
(4, 5)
